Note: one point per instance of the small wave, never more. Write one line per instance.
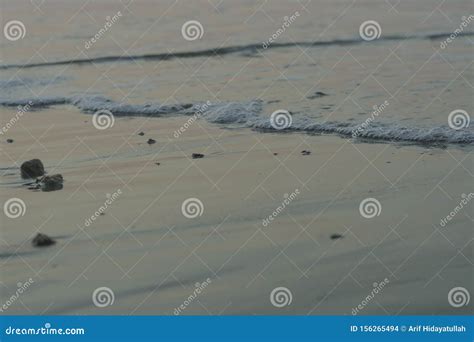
(250, 49)
(378, 131)
(248, 114)
(36, 103)
(6, 85)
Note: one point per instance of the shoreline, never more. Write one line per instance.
(151, 255)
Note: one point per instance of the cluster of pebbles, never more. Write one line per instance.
(34, 169)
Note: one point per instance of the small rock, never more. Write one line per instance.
(141, 134)
(158, 164)
(9, 141)
(388, 162)
(305, 152)
(51, 183)
(336, 236)
(317, 95)
(151, 141)
(32, 168)
(42, 240)
(275, 154)
(197, 155)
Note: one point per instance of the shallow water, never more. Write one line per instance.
(401, 86)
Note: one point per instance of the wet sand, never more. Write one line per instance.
(151, 256)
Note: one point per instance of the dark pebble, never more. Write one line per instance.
(317, 95)
(32, 168)
(42, 240)
(305, 152)
(197, 155)
(9, 141)
(151, 141)
(275, 154)
(157, 163)
(141, 134)
(336, 236)
(51, 183)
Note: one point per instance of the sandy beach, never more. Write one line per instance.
(305, 221)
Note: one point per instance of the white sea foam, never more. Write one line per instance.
(249, 115)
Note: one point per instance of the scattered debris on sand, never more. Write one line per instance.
(42, 240)
(316, 95)
(197, 155)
